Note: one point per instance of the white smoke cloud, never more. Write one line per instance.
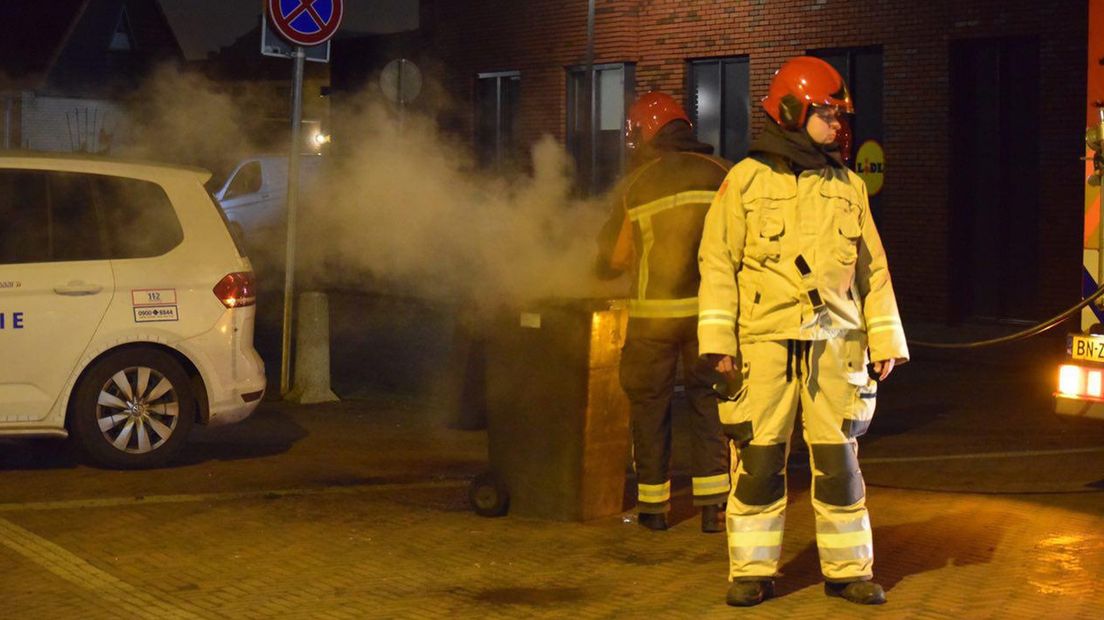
(186, 118)
(408, 210)
(403, 210)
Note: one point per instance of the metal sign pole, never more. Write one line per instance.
(292, 206)
(402, 94)
(400, 81)
(592, 104)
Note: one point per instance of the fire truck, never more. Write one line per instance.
(1080, 389)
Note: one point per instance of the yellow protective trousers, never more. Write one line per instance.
(828, 378)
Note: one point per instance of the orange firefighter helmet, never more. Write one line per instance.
(648, 114)
(802, 82)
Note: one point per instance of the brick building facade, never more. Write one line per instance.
(921, 45)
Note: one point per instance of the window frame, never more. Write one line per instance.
(690, 82)
(587, 177)
(503, 145)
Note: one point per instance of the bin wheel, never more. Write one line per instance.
(488, 496)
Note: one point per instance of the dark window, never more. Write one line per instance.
(24, 217)
(246, 181)
(138, 216)
(994, 177)
(497, 101)
(719, 106)
(598, 147)
(121, 39)
(64, 216)
(75, 231)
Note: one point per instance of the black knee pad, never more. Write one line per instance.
(839, 482)
(740, 432)
(764, 480)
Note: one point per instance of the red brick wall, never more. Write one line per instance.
(541, 37)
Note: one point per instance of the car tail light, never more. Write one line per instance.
(236, 290)
(1092, 384)
(1081, 382)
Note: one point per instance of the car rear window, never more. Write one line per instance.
(140, 220)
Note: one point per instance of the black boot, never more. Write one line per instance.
(860, 592)
(749, 593)
(656, 521)
(713, 519)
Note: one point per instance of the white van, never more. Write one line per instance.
(254, 196)
(126, 307)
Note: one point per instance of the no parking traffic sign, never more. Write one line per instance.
(305, 22)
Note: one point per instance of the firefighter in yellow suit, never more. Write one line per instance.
(795, 291)
(653, 231)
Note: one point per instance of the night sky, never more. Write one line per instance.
(203, 26)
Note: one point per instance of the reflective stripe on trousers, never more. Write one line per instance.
(654, 493)
(718, 485)
(755, 539)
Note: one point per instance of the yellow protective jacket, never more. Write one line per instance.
(787, 256)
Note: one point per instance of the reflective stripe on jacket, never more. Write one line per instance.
(664, 202)
(794, 257)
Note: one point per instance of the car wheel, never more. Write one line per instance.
(488, 496)
(133, 409)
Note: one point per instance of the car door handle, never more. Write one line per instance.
(77, 288)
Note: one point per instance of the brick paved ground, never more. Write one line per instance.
(984, 504)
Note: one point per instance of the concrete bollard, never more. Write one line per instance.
(312, 351)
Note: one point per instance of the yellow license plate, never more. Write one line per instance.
(1090, 348)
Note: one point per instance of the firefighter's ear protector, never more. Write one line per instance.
(789, 112)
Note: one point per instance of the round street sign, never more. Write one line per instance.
(401, 81)
(305, 22)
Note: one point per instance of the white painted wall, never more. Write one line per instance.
(66, 124)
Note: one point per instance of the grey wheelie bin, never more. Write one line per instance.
(557, 419)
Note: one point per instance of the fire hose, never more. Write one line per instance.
(1034, 330)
